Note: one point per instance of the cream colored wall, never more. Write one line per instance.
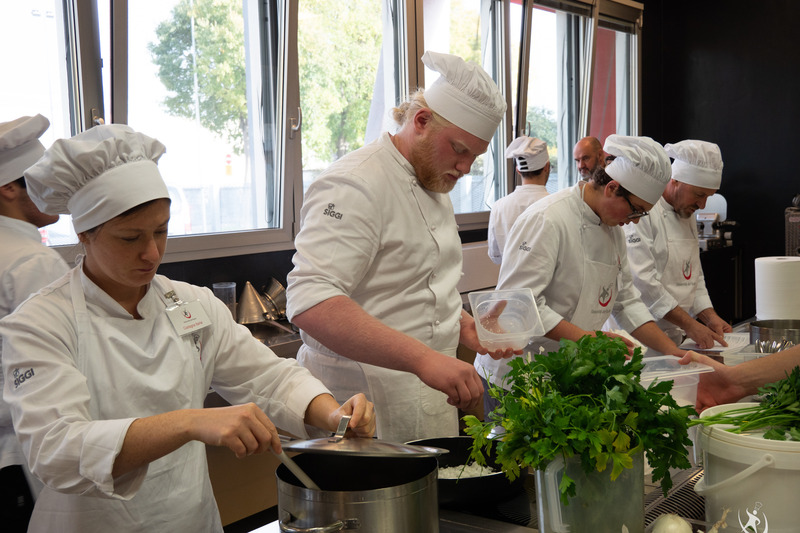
(242, 487)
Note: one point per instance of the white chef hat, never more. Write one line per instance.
(641, 165)
(20, 146)
(97, 175)
(529, 153)
(696, 163)
(464, 94)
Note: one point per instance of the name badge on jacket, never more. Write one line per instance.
(187, 317)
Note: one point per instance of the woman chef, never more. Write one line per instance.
(107, 368)
(569, 248)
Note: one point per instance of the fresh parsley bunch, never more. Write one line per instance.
(778, 413)
(584, 400)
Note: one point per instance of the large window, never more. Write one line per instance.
(36, 78)
(346, 56)
(575, 75)
(254, 98)
(471, 29)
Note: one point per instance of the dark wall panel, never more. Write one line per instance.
(729, 72)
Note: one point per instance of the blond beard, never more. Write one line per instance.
(424, 163)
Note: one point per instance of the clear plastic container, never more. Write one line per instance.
(505, 318)
(684, 377)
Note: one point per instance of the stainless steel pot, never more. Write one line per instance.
(365, 494)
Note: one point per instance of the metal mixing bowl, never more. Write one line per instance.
(769, 336)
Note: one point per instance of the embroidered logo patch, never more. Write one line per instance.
(604, 297)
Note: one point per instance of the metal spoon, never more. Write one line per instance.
(297, 471)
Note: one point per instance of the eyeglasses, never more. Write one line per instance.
(634, 213)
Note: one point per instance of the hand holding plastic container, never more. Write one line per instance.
(684, 377)
(505, 318)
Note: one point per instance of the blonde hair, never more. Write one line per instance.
(405, 112)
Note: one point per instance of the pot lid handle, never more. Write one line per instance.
(340, 431)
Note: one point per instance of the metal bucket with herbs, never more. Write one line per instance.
(584, 404)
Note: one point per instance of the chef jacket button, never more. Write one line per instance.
(462, 274)
(433, 228)
(436, 323)
(433, 275)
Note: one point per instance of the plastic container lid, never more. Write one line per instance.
(667, 366)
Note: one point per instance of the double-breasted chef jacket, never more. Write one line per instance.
(664, 256)
(371, 232)
(505, 211)
(80, 369)
(575, 265)
(26, 265)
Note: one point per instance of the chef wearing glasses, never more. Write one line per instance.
(569, 248)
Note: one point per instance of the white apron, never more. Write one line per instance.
(599, 289)
(680, 277)
(405, 408)
(126, 380)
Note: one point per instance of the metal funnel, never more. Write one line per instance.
(252, 308)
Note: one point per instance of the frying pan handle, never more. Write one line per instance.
(339, 525)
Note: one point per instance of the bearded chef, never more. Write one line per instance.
(569, 249)
(26, 265)
(664, 254)
(378, 260)
(107, 368)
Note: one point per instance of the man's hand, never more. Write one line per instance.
(469, 333)
(717, 387)
(454, 377)
(703, 336)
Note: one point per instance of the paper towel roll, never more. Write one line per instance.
(777, 288)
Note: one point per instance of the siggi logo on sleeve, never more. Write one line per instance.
(331, 212)
(21, 376)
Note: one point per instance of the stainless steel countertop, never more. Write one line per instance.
(449, 522)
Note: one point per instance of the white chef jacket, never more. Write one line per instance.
(371, 232)
(649, 254)
(505, 211)
(25, 267)
(79, 369)
(547, 251)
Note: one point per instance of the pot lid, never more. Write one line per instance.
(338, 444)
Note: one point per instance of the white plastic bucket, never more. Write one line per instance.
(756, 479)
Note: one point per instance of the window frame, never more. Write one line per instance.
(86, 73)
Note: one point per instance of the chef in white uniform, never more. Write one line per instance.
(533, 167)
(373, 289)
(664, 253)
(569, 248)
(106, 369)
(26, 265)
